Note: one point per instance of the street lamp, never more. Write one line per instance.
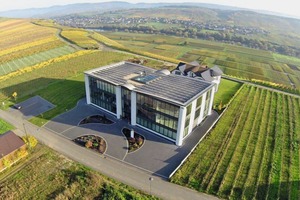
(150, 180)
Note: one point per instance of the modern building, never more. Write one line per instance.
(195, 70)
(166, 104)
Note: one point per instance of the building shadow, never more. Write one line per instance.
(27, 89)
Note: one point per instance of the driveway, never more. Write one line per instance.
(157, 156)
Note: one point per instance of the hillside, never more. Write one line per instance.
(240, 27)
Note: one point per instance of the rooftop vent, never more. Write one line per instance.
(163, 71)
(146, 79)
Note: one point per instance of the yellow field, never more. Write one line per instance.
(21, 32)
(80, 37)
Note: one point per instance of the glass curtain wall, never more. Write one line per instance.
(157, 115)
(207, 100)
(103, 94)
(126, 103)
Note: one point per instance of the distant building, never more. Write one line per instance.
(9, 144)
(195, 70)
(156, 100)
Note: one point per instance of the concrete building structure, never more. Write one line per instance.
(156, 100)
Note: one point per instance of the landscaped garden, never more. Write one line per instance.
(135, 142)
(252, 153)
(93, 142)
(96, 119)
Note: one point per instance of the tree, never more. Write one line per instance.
(6, 162)
(15, 95)
(220, 106)
(21, 153)
(30, 140)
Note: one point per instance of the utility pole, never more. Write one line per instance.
(150, 180)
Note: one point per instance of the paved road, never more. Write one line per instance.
(108, 166)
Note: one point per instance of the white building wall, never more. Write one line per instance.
(133, 108)
(192, 116)
(217, 82)
(202, 108)
(119, 101)
(211, 100)
(180, 127)
(87, 89)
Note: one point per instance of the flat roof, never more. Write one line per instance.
(173, 88)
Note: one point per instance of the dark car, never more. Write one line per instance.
(18, 107)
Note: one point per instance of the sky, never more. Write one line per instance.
(282, 6)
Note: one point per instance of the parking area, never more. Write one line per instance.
(33, 106)
(158, 155)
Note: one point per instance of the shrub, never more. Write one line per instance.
(30, 140)
(21, 153)
(89, 144)
(6, 162)
(139, 141)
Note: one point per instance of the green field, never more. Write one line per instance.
(16, 64)
(4, 126)
(47, 175)
(226, 91)
(236, 61)
(63, 86)
(252, 153)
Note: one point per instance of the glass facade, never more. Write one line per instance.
(103, 94)
(126, 103)
(207, 100)
(157, 115)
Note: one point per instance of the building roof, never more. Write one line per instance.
(200, 70)
(176, 89)
(9, 142)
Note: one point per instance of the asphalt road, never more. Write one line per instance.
(105, 165)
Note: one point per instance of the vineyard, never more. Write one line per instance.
(45, 174)
(253, 153)
(236, 61)
(35, 45)
(80, 38)
(21, 32)
(33, 59)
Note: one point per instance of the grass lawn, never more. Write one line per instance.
(252, 153)
(4, 126)
(226, 91)
(44, 174)
(63, 94)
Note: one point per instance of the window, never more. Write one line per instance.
(160, 116)
(103, 94)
